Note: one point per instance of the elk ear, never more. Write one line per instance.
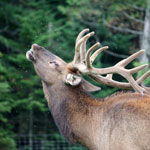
(73, 79)
(87, 86)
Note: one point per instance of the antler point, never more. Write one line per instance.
(87, 29)
(98, 43)
(142, 50)
(92, 33)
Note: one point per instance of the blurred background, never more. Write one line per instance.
(25, 121)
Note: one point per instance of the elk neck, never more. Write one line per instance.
(67, 103)
(78, 115)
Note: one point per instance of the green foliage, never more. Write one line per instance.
(7, 143)
(54, 25)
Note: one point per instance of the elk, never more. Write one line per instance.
(118, 122)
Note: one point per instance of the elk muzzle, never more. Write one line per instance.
(30, 54)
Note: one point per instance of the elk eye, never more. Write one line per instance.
(54, 63)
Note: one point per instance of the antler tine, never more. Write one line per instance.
(87, 59)
(80, 35)
(97, 52)
(143, 77)
(126, 61)
(77, 49)
(77, 45)
(83, 45)
(136, 69)
(83, 49)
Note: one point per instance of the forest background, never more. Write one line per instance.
(124, 26)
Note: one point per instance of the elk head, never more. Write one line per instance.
(47, 65)
(52, 69)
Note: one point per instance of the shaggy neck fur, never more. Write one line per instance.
(66, 103)
(92, 122)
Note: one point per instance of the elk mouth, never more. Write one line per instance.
(30, 56)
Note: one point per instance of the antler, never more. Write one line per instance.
(83, 62)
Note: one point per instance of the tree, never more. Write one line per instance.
(136, 21)
(54, 25)
(145, 39)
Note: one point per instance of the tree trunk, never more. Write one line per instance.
(145, 39)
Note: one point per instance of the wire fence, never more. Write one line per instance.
(45, 142)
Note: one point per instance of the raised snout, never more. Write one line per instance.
(36, 47)
(39, 53)
(30, 54)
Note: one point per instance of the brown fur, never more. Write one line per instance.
(118, 122)
(80, 117)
